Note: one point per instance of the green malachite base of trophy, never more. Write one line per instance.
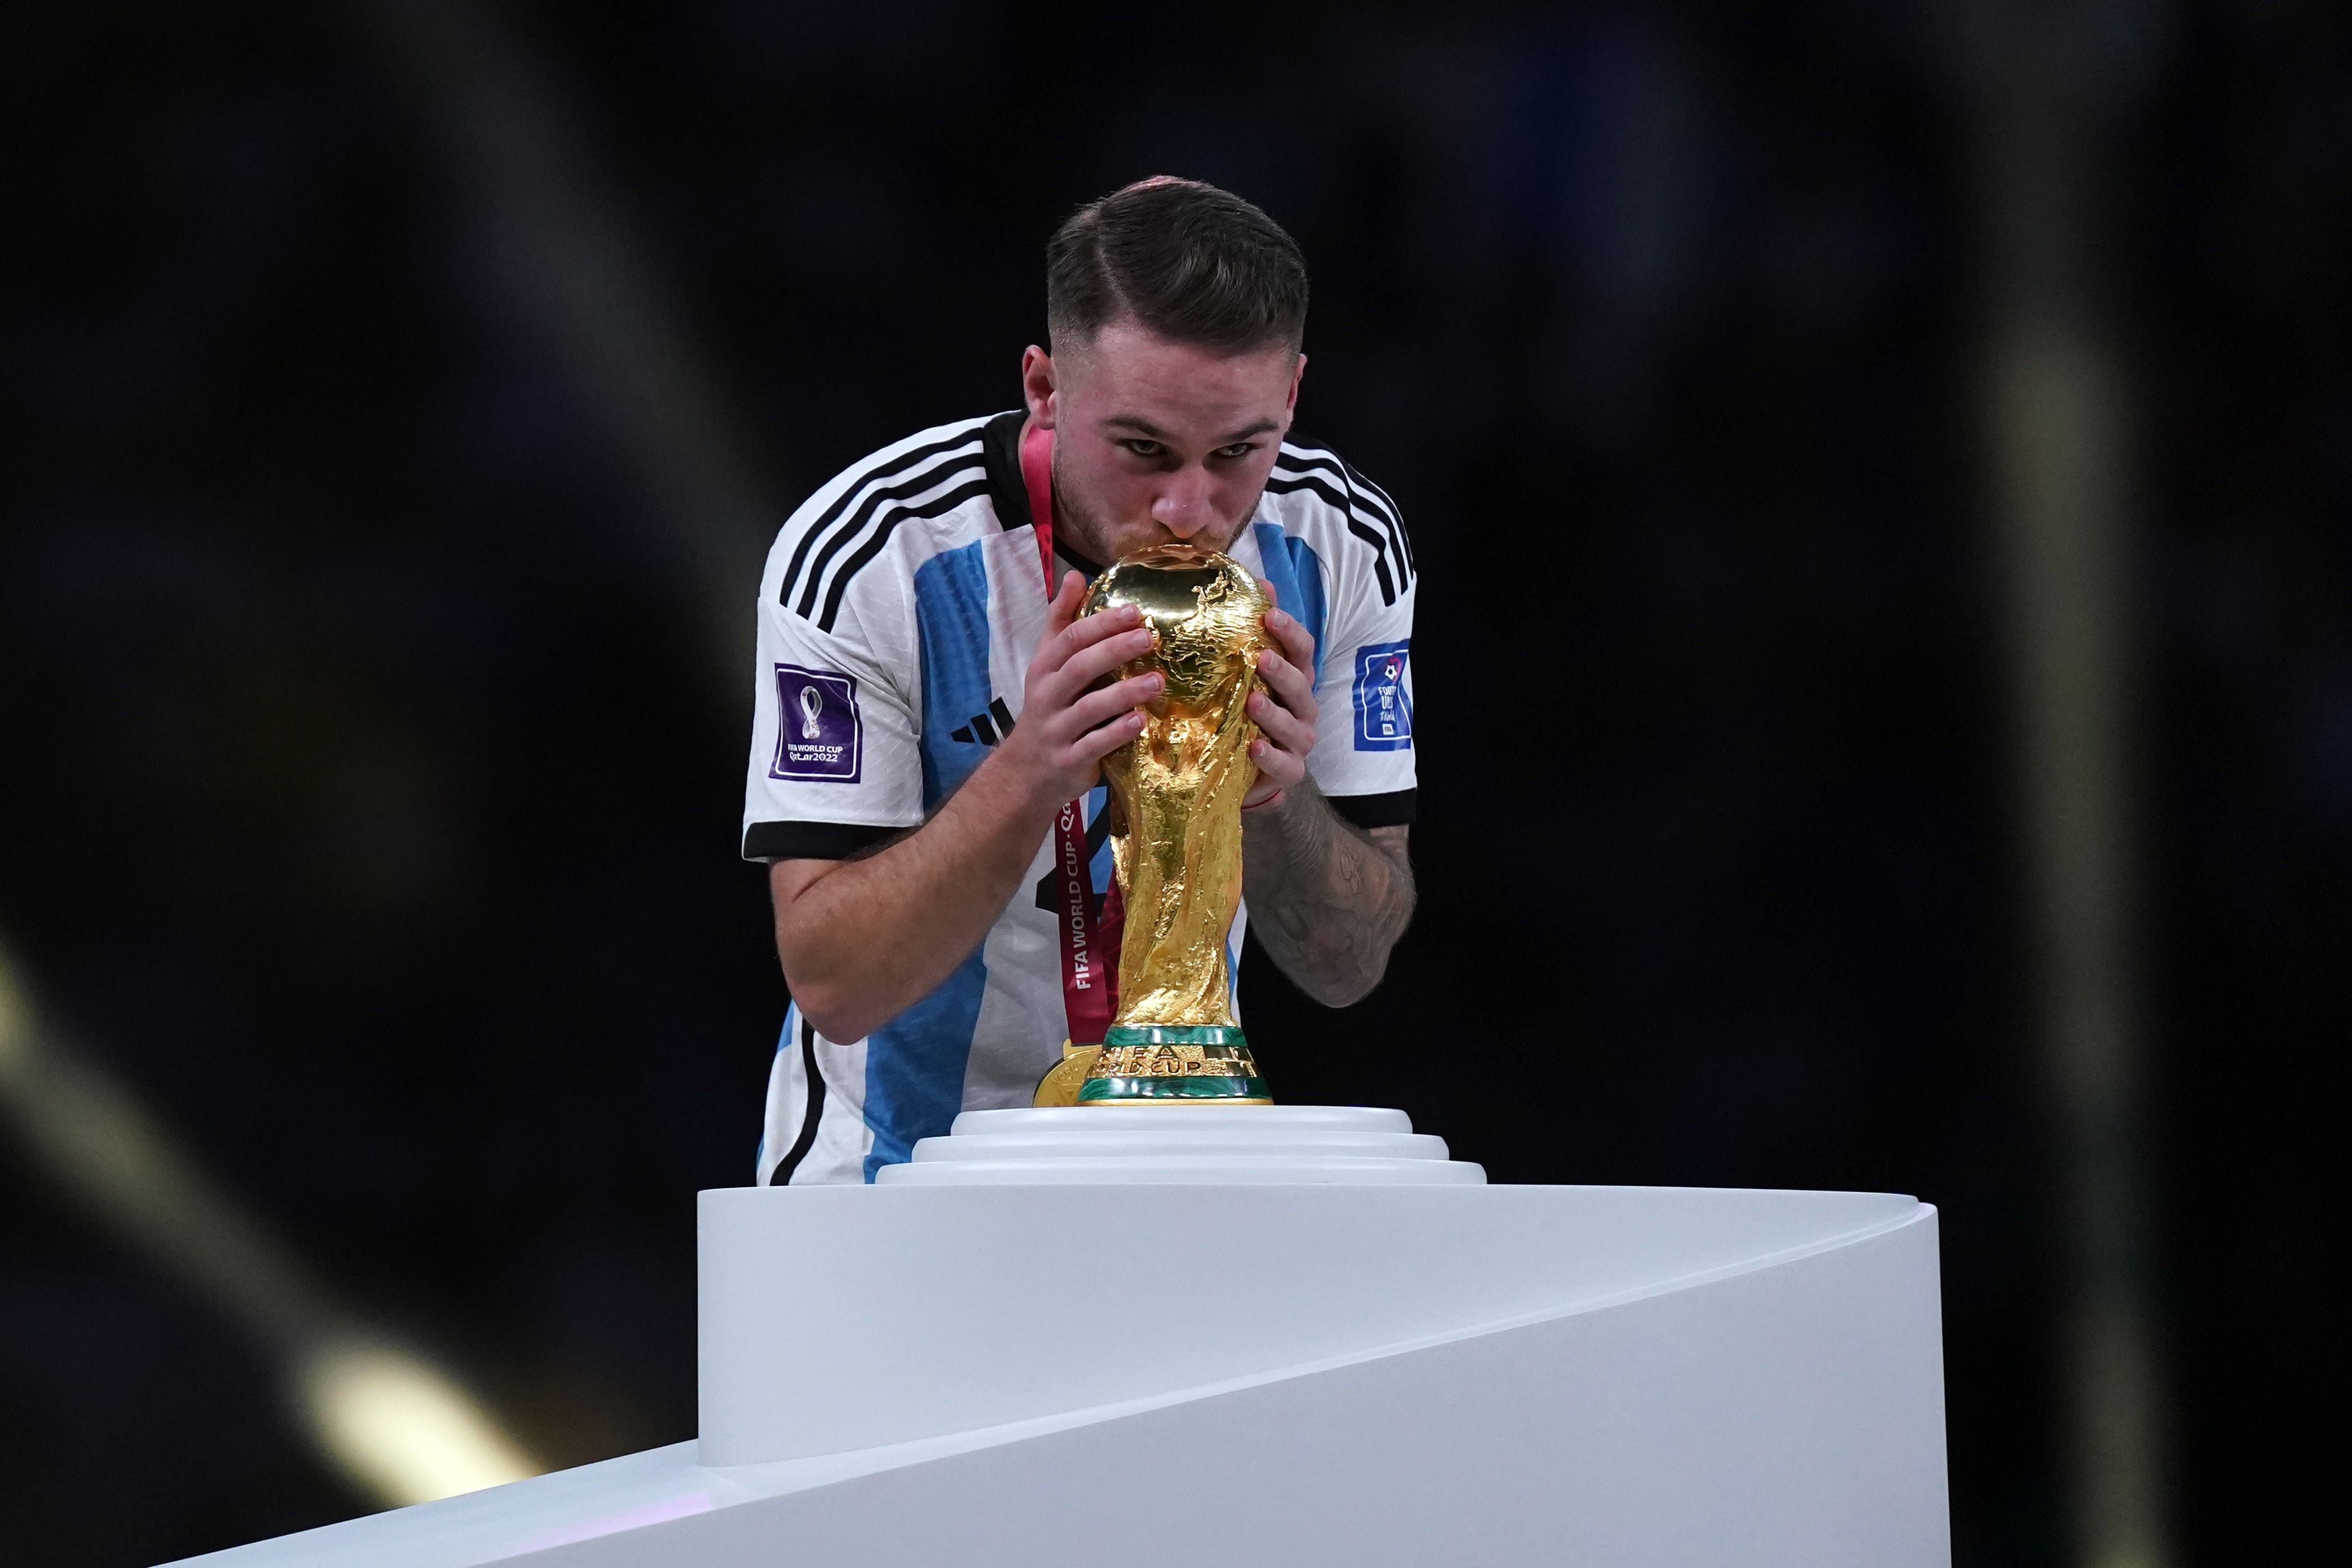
(1143, 1064)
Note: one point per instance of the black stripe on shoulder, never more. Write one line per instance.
(1326, 486)
(1394, 809)
(881, 470)
(1392, 514)
(1389, 588)
(879, 501)
(1365, 497)
(1308, 465)
(1300, 459)
(811, 840)
(1305, 454)
(858, 500)
(1356, 525)
(887, 521)
(1374, 492)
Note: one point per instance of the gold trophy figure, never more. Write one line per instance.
(1177, 791)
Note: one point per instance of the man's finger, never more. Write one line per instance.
(1063, 608)
(1274, 764)
(1100, 707)
(1280, 725)
(1298, 643)
(1092, 662)
(1102, 623)
(1288, 629)
(1288, 682)
(1086, 631)
(1096, 745)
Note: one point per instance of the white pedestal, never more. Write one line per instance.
(1324, 1145)
(1290, 1373)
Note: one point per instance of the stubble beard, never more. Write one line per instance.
(1077, 529)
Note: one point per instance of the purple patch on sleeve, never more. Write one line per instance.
(819, 735)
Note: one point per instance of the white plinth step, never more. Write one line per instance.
(1324, 1144)
(1504, 1377)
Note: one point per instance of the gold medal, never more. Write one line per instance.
(1061, 1083)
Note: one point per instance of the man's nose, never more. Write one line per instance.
(1182, 506)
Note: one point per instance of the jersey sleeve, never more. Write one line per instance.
(1363, 757)
(836, 765)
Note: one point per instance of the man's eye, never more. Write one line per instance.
(1143, 448)
(1237, 451)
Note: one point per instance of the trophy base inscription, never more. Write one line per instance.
(1164, 1064)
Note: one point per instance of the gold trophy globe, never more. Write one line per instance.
(1177, 793)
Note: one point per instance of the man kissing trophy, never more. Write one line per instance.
(1177, 790)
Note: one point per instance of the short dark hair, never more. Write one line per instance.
(1190, 262)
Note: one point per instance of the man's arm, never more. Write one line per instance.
(863, 939)
(1329, 899)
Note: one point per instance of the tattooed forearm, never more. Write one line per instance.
(1328, 899)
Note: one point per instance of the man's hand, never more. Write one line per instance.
(1066, 728)
(863, 939)
(1286, 711)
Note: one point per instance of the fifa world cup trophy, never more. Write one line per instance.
(1178, 790)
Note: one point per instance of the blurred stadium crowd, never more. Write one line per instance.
(399, 392)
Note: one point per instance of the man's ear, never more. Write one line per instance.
(1038, 387)
(1298, 374)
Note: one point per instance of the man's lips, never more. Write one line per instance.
(1150, 534)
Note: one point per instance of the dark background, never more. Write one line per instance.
(371, 792)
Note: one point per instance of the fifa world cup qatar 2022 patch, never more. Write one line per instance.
(819, 736)
(1383, 711)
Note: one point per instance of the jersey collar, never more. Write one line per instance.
(999, 448)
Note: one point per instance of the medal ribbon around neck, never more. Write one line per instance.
(1089, 938)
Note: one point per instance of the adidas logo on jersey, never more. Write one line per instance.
(986, 728)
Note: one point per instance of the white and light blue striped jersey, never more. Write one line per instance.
(899, 613)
